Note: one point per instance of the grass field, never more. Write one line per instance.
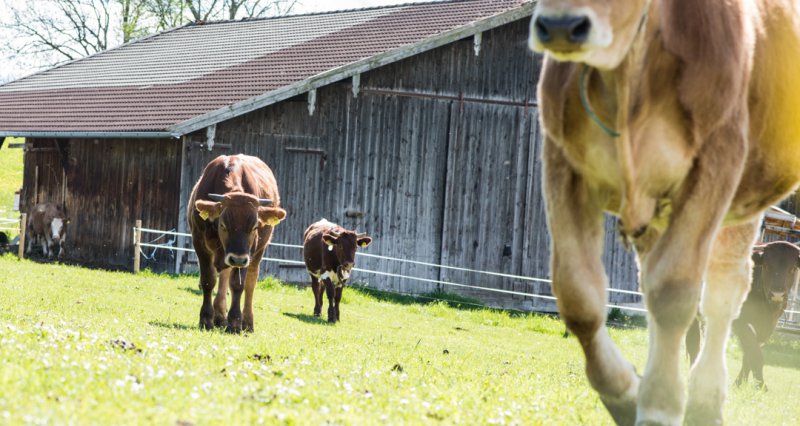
(81, 346)
(10, 172)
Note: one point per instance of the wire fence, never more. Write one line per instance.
(9, 224)
(790, 320)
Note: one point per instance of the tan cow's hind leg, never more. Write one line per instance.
(727, 283)
(575, 219)
(221, 300)
(673, 270)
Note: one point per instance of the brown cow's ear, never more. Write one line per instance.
(757, 258)
(208, 210)
(329, 240)
(363, 242)
(270, 215)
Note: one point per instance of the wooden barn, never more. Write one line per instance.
(416, 123)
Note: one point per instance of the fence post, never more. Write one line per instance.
(137, 238)
(23, 226)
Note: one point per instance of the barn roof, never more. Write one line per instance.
(188, 78)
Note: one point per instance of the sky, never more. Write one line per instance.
(12, 69)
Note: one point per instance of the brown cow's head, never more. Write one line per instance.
(240, 215)
(58, 230)
(779, 266)
(343, 244)
(595, 32)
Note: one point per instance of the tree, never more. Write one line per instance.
(49, 32)
(64, 29)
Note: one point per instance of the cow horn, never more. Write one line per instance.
(334, 233)
(264, 202)
(361, 235)
(216, 197)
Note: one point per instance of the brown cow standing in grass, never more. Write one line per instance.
(47, 225)
(329, 252)
(232, 211)
(681, 118)
(774, 275)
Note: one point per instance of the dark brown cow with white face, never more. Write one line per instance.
(47, 225)
(329, 252)
(774, 276)
(680, 118)
(232, 211)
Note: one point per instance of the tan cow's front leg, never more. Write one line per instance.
(672, 271)
(727, 283)
(575, 219)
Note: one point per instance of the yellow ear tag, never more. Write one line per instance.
(273, 221)
(363, 245)
(203, 214)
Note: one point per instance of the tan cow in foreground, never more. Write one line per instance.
(232, 212)
(683, 119)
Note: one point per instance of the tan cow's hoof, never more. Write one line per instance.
(623, 412)
(702, 415)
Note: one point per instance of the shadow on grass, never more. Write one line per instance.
(193, 290)
(451, 300)
(310, 319)
(173, 326)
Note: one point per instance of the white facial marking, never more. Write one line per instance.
(55, 227)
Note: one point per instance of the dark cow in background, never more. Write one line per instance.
(329, 252)
(47, 225)
(232, 212)
(774, 275)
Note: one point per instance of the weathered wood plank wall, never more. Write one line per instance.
(437, 157)
(110, 184)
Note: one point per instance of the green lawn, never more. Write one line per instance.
(10, 172)
(81, 346)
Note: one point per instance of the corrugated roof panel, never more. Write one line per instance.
(159, 81)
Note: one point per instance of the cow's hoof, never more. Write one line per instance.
(623, 412)
(317, 314)
(234, 326)
(206, 325)
(220, 321)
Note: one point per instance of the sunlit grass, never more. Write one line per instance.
(82, 346)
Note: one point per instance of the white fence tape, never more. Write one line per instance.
(426, 280)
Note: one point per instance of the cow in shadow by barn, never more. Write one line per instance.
(329, 252)
(47, 225)
(232, 212)
(774, 275)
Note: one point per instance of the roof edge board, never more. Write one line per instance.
(349, 70)
(142, 135)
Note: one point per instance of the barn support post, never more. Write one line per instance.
(36, 186)
(23, 226)
(137, 246)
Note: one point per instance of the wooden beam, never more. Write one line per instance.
(23, 226)
(137, 246)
